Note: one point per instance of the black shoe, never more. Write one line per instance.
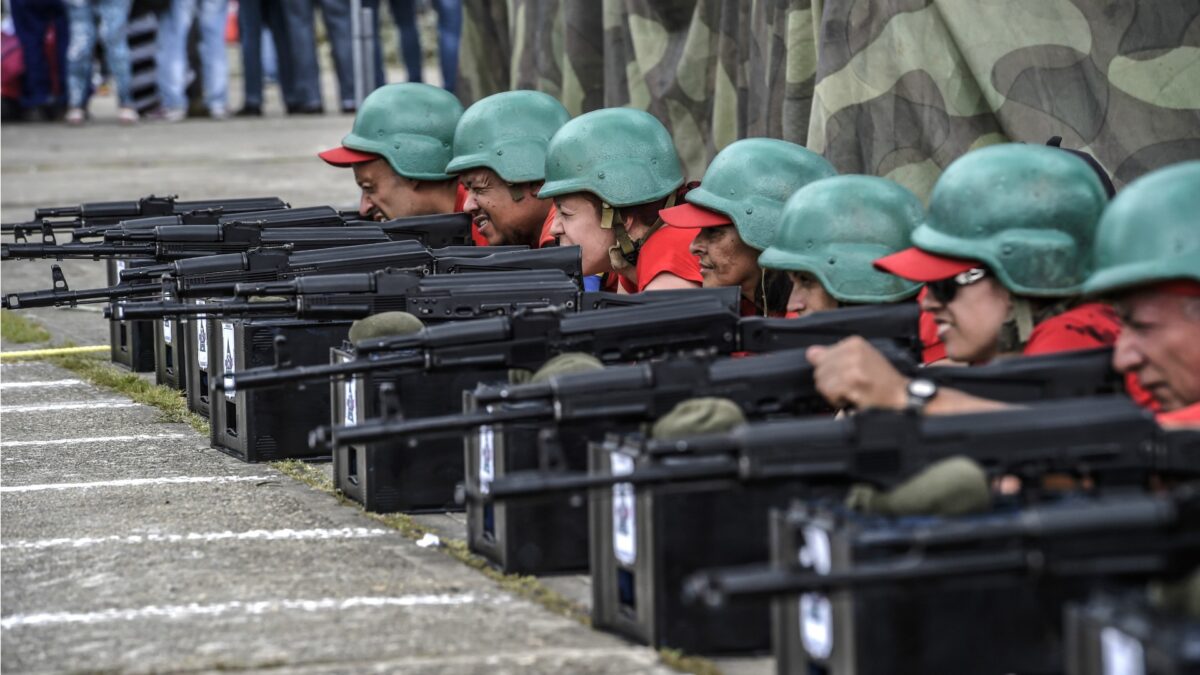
(313, 109)
(249, 111)
(349, 109)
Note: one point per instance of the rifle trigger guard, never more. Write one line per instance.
(48, 234)
(389, 401)
(283, 355)
(550, 451)
(58, 279)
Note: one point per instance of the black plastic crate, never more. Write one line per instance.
(271, 423)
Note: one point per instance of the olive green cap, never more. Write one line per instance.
(508, 133)
(621, 155)
(750, 181)
(952, 487)
(1150, 233)
(1028, 212)
(384, 324)
(411, 125)
(836, 228)
(566, 364)
(697, 417)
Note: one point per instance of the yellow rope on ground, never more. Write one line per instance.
(57, 351)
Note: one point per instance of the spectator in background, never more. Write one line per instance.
(113, 16)
(174, 24)
(449, 30)
(31, 19)
(337, 26)
(290, 24)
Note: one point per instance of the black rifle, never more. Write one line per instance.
(353, 296)
(1126, 535)
(1108, 439)
(528, 338)
(769, 384)
(897, 323)
(109, 213)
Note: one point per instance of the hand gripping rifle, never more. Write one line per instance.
(825, 449)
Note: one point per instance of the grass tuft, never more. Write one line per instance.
(18, 329)
(100, 372)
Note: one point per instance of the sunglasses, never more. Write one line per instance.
(944, 291)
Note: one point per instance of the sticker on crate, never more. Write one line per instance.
(201, 340)
(816, 612)
(167, 331)
(350, 402)
(624, 511)
(487, 457)
(1121, 653)
(229, 354)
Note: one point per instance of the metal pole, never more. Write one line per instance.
(368, 52)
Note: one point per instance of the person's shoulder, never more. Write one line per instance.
(668, 250)
(1087, 326)
(1184, 417)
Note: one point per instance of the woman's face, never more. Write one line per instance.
(578, 224)
(808, 295)
(726, 260)
(969, 325)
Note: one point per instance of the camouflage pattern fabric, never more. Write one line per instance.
(896, 88)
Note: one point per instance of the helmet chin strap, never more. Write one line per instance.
(624, 254)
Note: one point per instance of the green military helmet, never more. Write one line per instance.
(621, 155)
(751, 179)
(411, 125)
(1028, 212)
(836, 228)
(1150, 232)
(508, 133)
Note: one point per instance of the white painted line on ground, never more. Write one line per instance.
(239, 607)
(74, 405)
(131, 482)
(202, 537)
(44, 383)
(93, 439)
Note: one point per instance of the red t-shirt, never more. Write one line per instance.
(459, 200)
(668, 250)
(547, 239)
(1089, 326)
(1184, 417)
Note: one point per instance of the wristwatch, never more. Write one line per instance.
(920, 392)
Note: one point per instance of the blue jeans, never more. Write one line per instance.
(449, 31)
(213, 60)
(170, 53)
(32, 18)
(337, 27)
(113, 17)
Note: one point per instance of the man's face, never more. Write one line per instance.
(969, 325)
(500, 217)
(578, 224)
(1158, 343)
(385, 194)
(808, 295)
(726, 260)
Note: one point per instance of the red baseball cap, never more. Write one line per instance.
(692, 216)
(917, 265)
(343, 156)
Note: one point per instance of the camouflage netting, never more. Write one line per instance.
(895, 88)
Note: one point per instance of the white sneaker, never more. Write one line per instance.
(127, 116)
(75, 116)
(218, 112)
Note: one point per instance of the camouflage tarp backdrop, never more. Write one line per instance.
(896, 88)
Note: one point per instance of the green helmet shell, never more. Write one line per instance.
(411, 125)
(1150, 232)
(1028, 212)
(751, 179)
(836, 228)
(621, 155)
(508, 133)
